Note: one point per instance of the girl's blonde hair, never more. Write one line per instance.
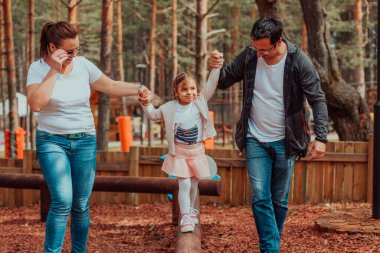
(185, 78)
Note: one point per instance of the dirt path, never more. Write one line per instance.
(147, 228)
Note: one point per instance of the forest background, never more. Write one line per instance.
(151, 41)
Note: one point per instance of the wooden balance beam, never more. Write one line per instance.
(111, 184)
(189, 242)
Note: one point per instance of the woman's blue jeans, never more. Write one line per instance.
(270, 174)
(68, 166)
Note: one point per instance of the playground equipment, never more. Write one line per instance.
(210, 143)
(110, 184)
(125, 132)
(20, 143)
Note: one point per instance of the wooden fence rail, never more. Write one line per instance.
(344, 174)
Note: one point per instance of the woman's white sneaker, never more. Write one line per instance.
(187, 224)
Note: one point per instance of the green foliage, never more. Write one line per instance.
(136, 27)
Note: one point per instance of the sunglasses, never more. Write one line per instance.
(263, 51)
(74, 51)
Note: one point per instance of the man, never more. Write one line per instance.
(272, 129)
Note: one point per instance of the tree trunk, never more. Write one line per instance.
(119, 46)
(152, 61)
(201, 42)
(11, 73)
(174, 39)
(268, 8)
(162, 60)
(304, 36)
(30, 55)
(105, 62)
(359, 68)
(283, 8)
(234, 105)
(58, 10)
(72, 7)
(53, 10)
(2, 69)
(347, 109)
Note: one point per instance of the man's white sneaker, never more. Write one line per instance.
(187, 225)
(194, 215)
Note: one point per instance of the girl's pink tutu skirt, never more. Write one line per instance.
(188, 161)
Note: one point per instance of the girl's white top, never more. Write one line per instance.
(68, 110)
(188, 121)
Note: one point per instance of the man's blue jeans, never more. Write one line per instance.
(68, 166)
(270, 174)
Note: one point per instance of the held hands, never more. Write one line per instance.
(316, 150)
(144, 96)
(215, 60)
(57, 58)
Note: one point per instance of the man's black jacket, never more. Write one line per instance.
(300, 80)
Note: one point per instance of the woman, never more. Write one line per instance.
(58, 88)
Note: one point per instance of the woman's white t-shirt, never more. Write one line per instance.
(68, 110)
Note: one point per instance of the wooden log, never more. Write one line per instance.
(114, 184)
(110, 184)
(189, 242)
(44, 202)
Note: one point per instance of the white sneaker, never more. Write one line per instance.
(187, 224)
(194, 215)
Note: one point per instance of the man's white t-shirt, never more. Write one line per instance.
(267, 116)
(68, 110)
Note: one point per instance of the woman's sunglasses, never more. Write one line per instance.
(74, 51)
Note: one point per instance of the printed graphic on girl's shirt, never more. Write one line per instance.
(187, 136)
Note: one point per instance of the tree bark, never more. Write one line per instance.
(119, 46)
(236, 87)
(359, 68)
(174, 39)
(11, 73)
(30, 55)
(2, 68)
(304, 37)
(201, 42)
(268, 8)
(72, 11)
(105, 62)
(347, 109)
(152, 63)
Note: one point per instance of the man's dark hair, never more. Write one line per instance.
(267, 28)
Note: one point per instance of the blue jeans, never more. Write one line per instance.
(270, 174)
(68, 166)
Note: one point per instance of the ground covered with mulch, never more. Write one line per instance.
(147, 228)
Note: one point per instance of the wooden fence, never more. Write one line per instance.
(344, 174)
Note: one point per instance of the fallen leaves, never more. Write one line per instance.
(147, 228)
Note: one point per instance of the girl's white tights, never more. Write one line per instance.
(187, 192)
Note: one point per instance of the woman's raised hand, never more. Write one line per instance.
(57, 58)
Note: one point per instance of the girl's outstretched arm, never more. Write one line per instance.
(210, 87)
(152, 113)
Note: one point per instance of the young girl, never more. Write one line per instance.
(187, 125)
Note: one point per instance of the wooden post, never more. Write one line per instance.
(27, 169)
(175, 209)
(370, 170)
(134, 156)
(44, 202)
(189, 242)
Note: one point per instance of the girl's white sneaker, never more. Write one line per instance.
(187, 224)
(194, 215)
